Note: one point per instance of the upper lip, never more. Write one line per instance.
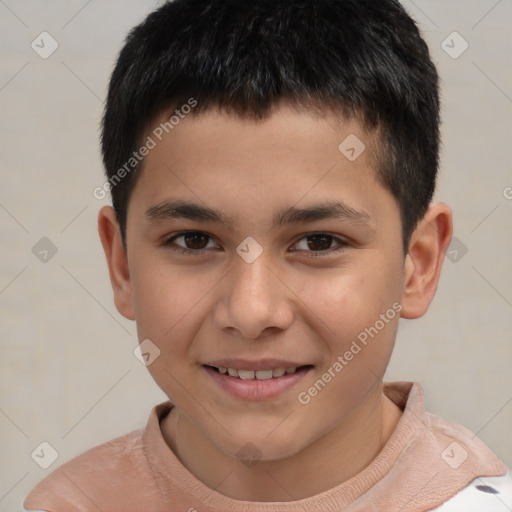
(260, 364)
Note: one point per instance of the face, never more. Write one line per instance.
(259, 246)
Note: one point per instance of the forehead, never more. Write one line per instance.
(281, 130)
(290, 157)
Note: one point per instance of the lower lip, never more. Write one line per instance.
(255, 389)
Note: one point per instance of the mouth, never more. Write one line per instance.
(271, 373)
(256, 384)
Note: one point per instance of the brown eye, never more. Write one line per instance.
(195, 240)
(320, 244)
(190, 242)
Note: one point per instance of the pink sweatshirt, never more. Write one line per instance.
(425, 462)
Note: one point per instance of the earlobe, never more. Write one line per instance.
(424, 260)
(110, 235)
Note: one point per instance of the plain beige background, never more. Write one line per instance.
(68, 373)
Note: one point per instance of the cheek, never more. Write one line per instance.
(340, 304)
(169, 307)
(166, 297)
(351, 312)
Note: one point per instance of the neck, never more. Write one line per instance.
(333, 459)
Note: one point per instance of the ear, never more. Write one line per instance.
(110, 235)
(424, 260)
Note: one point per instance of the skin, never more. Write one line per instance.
(287, 303)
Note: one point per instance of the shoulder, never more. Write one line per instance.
(458, 462)
(483, 494)
(121, 462)
(462, 450)
(464, 453)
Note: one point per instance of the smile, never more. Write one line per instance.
(256, 385)
(256, 374)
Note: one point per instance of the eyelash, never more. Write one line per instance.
(169, 243)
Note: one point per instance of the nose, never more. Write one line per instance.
(254, 301)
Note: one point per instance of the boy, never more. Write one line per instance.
(238, 139)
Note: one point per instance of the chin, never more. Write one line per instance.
(260, 446)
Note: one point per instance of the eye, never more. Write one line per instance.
(195, 242)
(321, 244)
(198, 242)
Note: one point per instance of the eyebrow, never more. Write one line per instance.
(180, 209)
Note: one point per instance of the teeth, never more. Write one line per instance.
(245, 374)
(258, 374)
(263, 374)
(278, 372)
